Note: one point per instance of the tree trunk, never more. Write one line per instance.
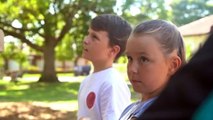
(6, 64)
(49, 73)
(64, 65)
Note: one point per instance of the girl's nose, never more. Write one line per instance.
(133, 67)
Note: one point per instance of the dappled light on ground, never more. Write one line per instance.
(30, 111)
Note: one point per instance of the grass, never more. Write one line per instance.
(27, 90)
(43, 92)
(28, 93)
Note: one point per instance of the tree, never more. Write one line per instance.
(12, 51)
(140, 11)
(186, 11)
(65, 51)
(49, 21)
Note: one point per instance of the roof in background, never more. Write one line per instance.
(198, 27)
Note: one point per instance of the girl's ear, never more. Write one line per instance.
(175, 63)
(115, 50)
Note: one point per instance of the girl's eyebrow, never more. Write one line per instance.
(143, 53)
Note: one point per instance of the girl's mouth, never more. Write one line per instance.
(135, 81)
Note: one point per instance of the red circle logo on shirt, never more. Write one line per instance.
(90, 99)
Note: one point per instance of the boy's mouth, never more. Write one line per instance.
(85, 49)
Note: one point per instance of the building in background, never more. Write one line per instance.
(196, 32)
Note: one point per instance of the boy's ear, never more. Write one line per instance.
(115, 50)
(175, 63)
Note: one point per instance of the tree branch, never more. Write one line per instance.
(68, 20)
(23, 39)
(21, 29)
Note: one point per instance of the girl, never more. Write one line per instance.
(155, 51)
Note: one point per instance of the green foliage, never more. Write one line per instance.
(65, 50)
(189, 51)
(122, 59)
(12, 51)
(1, 62)
(43, 24)
(149, 9)
(178, 11)
(186, 11)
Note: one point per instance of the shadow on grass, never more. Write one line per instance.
(27, 111)
(44, 92)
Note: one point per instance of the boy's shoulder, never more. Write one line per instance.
(110, 72)
(107, 76)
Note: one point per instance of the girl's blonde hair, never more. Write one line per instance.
(166, 33)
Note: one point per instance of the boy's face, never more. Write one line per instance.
(96, 46)
(148, 68)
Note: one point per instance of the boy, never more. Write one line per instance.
(103, 95)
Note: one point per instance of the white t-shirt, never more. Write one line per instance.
(103, 96)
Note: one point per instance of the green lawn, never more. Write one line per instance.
(43, 92)
(28, 90)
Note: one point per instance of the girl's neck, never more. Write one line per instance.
(146, 97)
(153, 94)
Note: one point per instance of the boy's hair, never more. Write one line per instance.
(117, 28)
(166, 33)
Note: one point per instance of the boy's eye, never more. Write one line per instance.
(94, 37)
(143, 59)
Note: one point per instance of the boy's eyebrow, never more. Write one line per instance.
(93, 33)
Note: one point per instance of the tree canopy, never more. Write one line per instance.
(186, 11)
(49, 21)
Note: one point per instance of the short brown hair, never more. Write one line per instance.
(117, 28)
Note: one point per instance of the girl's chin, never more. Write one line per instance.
(137, 89)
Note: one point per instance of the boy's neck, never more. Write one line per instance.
(101, 66)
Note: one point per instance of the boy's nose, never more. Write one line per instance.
(86, 40)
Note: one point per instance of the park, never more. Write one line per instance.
(41, 67)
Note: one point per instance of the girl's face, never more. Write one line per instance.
(148, 67)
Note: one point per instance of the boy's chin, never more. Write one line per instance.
(85, 57)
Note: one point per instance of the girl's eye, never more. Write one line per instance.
(144, 59)
(129, 58)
